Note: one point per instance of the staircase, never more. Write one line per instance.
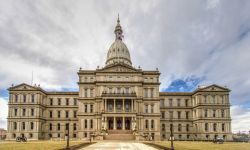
(119, 135)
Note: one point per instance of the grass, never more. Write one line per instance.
(36, 145)
(184, 145)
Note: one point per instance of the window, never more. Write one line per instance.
(215, 126)
(74, 135)
(31, 126)
(74, 126)
(85, 123)
(126, 90)
(51, 101)
(75, 101)
(152, 93)
(187, 127)
(171, 114)
(85, 92)
(179, 127)
(214, 113)
(15, 125)
(32, 112)
(152, 108)
(67, 114)
(85, 134)
(85, 108)
(170, 102)
(145, 92)
(178, 102)
(146, 108)
(24, 112)
(75, 112)
(163, 127)
(206, 112)
(50, 126)
(206, 126)
(163, 114)
(50, 135)
(186, 102)
(118, 90)
(91, 124)
(187, 114)
(152, 124)
(31, 135)
(223, 127)
(32, 98)
(91, 108)
(67, 126)
(180, 136)
(146, 124)
(179, 115)
(58, 135)
(24, 98)
(14, 135)
(222, 113)
(188, 136)
(67, 101)
(58, 127)
(16, 98)
(207, 136)
(59, 101)
(91, 92)
(23, 125)
(58, 114)
(15, 112)
(50, 114)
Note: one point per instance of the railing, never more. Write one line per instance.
(104, 94)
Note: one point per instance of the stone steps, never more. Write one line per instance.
(119, 137)
(120, 132)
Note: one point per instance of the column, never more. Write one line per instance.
(123, 105)
(123, 123)
(114, 123)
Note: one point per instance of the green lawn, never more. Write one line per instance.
(36, 145)
(183, 145)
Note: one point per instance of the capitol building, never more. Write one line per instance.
(119, 102)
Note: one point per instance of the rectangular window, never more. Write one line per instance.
(59, 101)
(85, 123)
(31, 125)
(152, 108)
(15, 112)
(170, 102)
(23, 125)
(91, 123)
(15, 125)
(163, 114)
(91, 108)
(186, 102)
(32, 98)
(214, 113)
(50, 114)
(67, 126)
(152, 93)
(58, 126)
(24, 112)
(223, 127)
(67, 114)
(146, 108)
(85, 108)
(187, 114)
(51, 101)
(67, 101)
(16, 98)
(50, 126)
(179, 115)
(171, 114)
(74, 126)
(127, 90)
(222, 113)
(85, 92)
(24, 98)
(145, 92)
(75, 112)
(178, 102)
(91, 93)
(32, 112)
(75, 101)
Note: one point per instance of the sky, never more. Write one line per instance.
(194, 42)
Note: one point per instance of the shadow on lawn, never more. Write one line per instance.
(79, 146)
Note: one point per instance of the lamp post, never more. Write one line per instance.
(171, 136)
(67, 127)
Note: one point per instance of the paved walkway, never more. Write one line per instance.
(118, 146)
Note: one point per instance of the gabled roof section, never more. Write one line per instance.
(27, 87)
(119, 67)
(213, 87)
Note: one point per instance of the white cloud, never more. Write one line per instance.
(240, 118)
(3, 113)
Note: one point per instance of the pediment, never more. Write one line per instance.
(23, 86)
(118, 68)
(214, 87)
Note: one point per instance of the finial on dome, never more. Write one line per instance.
(118, 30)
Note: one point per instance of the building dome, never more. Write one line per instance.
(118, 51)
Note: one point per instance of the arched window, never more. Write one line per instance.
(205, 113)
(152, 124)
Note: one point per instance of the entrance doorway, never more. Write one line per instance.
(119, 123)
(127, 123)
(110, 123)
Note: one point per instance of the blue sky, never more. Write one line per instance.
(195, 42)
